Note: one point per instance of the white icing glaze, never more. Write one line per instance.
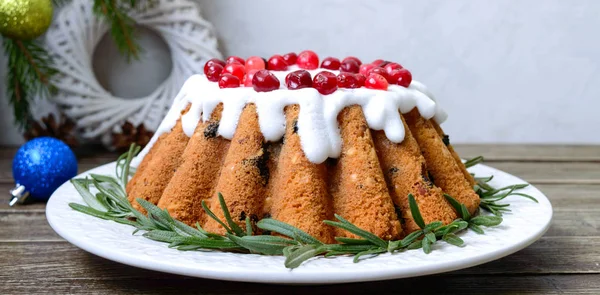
(317, 122)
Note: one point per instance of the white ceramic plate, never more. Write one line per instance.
(527, 222)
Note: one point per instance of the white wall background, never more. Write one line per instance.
(506, 71)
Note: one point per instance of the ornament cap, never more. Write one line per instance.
(19, 195)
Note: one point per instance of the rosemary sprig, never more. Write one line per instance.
(106, 199)
(472, 162)
(490, 196)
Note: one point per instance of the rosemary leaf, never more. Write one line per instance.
(453, 202)
(248, 226)
(453, 239)
(414, 210)
(351, 241)
(476, 228)
(433, 226)
(133, 150)
(223, 244)
(374, 252)
(161, 235)
(189, 247)
(431, 237)
(234, 227)
(287, 230)
(213, 216)
(486, 220)
(155, 214)
(472, 162)
(303, 253)
(426, 244)
(526, 196)
(89, 211)
(189, 230)
(464, 212)
(357, 231)
(122, 220)
(415, 245)
(410, 238)
(89, 199)
(346, 248)
(269, 245)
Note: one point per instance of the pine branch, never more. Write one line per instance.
(29, 73)
(122, 27)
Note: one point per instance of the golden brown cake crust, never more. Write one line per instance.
(142, 167)
(358, 186)
(197, 176)
(442, 166)
(245, 174)
(455, 155)
(406, 173)
(300, 196)
(160, 169)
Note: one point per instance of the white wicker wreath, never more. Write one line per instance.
(97, 113)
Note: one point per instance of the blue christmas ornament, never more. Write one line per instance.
(40, 167)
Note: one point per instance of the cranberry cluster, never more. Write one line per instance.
(255, 72)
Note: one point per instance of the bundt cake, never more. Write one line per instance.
(288, 139)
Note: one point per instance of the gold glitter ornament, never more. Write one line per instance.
(25, 19)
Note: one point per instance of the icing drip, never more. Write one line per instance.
(317, 122)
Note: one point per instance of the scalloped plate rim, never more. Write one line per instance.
(304, 274)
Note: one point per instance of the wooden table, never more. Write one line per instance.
(33, 259)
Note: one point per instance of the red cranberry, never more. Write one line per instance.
(365, 68)
(325, 82)
(405, 78)
(211, 62)
(361, 79)
(331, 63)
(264, 81)
(298, 79)
(248, 78)
(379, 71)
(290, 58)
(235, 69)
(235, 59)
(392, 66)
(380, 62)
(277, 63)
(350, 66)
(213, 72)
(348, 80)
(352, 58)
(376, 81)
(308, 60)
(255, 63)
(229, 81)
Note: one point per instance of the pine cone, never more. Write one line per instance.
(129, 135)
(48, 126)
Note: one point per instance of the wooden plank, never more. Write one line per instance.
(70, 270)
(439, 284)
(548, 173)
(572, 197)
(520, 152)
(549, 255)
(5, 198)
